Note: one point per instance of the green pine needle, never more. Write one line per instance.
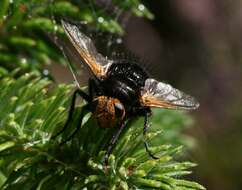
(26, 24)
(30, 114)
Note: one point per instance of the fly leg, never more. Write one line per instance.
(113, 142)
(145, 129)
(84, 109)
(72, 109)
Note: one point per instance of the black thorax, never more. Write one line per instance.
(124, 81)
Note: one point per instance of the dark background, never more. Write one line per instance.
(196, 46)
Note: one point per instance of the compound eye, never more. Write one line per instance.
(119, 109)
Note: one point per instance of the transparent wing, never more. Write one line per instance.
(86, 49)
(158, 94)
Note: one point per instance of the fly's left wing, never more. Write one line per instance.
(86, 49)
(161, 95)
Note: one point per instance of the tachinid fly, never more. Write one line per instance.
(120, 90)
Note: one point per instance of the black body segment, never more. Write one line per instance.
(124, 81)
(131, 72)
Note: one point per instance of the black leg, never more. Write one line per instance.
(72, 108)
(146, 126)
(113, 142)
(84, 109)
